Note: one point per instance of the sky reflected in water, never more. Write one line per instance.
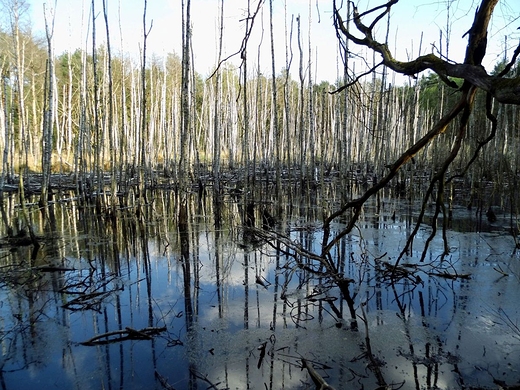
(232, 312)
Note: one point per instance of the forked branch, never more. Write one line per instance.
(504, 90)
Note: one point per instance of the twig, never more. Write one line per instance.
(499, 270)
(204, 378)
(348, 85)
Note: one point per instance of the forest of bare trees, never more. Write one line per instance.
(111, 127)
(105, 118)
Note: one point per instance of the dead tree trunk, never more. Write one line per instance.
(185, 92)
(48, 114)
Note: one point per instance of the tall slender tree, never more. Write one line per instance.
(48, 114)
(110, 117)
(185, 91)
(216, 108)
(98, 143)
(143, 126)
(274, 106)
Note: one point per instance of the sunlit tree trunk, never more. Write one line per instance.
(33, 132)
(185, 90)
(301, 127)
(312, 117)
(124, 134)
(245, 108)
(110, 118)
(98, 176)
(68, 109)
(6, 133)
(80, 165)
(216, 108)
(345, 137)
(286, 93)
(163, 121)
(274, 107)
(16, 10)
(143, 126)
(259, 123)
(48, 110)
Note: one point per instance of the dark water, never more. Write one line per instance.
(232, 313)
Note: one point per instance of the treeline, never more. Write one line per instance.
(98, 125)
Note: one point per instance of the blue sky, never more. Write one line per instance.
(409, 19)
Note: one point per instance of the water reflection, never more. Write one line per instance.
(229, 311)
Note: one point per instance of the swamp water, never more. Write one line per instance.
(216, 308)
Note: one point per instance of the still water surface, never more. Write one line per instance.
(227, 312)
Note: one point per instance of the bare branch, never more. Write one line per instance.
(243, 46)
(356, 79)
(356, 204)
(504, 90)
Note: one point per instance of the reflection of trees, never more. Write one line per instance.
(184, 236)
(427, 297)
(151, 270)
(91, 285)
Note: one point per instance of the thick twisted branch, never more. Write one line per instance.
(504, 90)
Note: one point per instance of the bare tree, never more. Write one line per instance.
(185, 92)
(110, 118)
(144, 131)
(216, 108)
(48, 115)
(16, 10)
(98, 143)
(274, 105)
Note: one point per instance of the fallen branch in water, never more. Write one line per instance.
(126, 334)
(51, 268)
(90, 301)
(204, 378)
(318, 380)
(163, 381)
(375, 364)
(500, 271)
(447, 275)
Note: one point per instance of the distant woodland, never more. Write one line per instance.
(97, 114)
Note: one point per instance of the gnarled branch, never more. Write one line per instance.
(504, 90)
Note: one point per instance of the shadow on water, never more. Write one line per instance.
(185, 295)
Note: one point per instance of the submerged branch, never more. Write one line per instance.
(163, 381)
(318, 380)
(122, 335)
(329, 270)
